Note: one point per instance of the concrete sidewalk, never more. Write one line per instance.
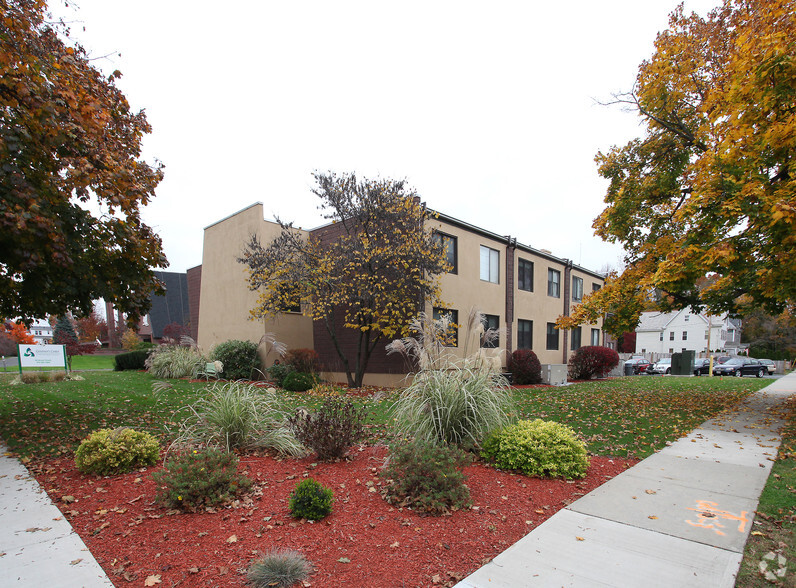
(678, 518)
(38, 547)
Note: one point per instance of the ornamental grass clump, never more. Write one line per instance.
(427, 477)
(168, 361)
(538, 448)
(200, 478)
(452, 400)
(278, 568)
(311, 500)
(236, 415)
(330, 430)
(108, 452)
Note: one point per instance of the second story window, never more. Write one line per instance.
(448, 243)
(490, 265)
(525, 275)
(554, 283)
(577, 289)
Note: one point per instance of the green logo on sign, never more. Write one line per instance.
(29, 353)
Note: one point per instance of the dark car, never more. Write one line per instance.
(701, 366)
(639, 364)
(740, 366)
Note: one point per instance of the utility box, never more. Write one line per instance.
(554, 374)
(683, 363)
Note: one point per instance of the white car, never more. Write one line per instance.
(663, 366)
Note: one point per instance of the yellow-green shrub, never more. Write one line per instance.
(116, 451)
(538, 448)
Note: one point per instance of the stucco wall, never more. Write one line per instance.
(226, 300)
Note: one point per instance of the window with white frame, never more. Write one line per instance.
(595, 336)
(554, 283)
(577, 289)
(490, 265)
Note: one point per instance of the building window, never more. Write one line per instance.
(554, 284)
(452, 336)
(706, 335)
(491, 341)
(490, 265)
(577, 289)
(595, 287)
(524, 334)
(671, 336)
(575, 344)
(289, 300)
(685, 335)
(448, 243)
(687, 317)
(661, 335)
(671, 349)
(595, 336)
(525, 275)
(552, 336)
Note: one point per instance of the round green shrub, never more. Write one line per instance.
(311, 500)
(196, 479)
(240, 358)
(109, 452)
(279, 371)
(298, 382)
(538, 448)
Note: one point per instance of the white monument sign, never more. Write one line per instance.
(42, 356)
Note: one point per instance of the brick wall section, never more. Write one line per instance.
(194, 289)
(348, 339)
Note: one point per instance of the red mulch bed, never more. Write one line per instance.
(364, 542)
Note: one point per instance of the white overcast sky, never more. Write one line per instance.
(487, 109)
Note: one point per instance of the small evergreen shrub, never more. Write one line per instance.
(592, 361)
(132, 360)
(278, 372)
(279, 568)
(298, 382)
(196, 479)
(330, 430)
(303, 360)
(311, 500)
(109, 452)
(240, 358)
(538, 448)
(427, 477)
(525, 367)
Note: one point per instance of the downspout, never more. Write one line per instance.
(511, 246)
(567, 292)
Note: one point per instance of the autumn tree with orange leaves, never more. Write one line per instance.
(68, 137)
(372, 277)
(710, 189)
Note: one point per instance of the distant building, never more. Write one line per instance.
(41, 331)
(685, 330)
(173, 307)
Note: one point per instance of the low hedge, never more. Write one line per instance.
(132, 360)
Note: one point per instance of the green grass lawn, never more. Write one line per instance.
(92, 362)
(620, 417)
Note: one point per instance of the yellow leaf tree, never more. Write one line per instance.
(709, 190)
(365, 276)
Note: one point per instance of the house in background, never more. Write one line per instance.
(42, 331)
(521, 290)
(683, 330)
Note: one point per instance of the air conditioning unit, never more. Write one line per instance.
(554, 374)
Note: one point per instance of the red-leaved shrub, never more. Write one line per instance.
(592, 361)
(525, 367)
(302, 360)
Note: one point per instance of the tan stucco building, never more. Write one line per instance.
(521, 290)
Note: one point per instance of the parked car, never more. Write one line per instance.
(769, 363)
(721, 359)
(701, 366)
(640, 364)
(740, 366)
(663, 366)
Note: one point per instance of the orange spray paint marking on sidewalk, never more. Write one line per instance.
(710, 516)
